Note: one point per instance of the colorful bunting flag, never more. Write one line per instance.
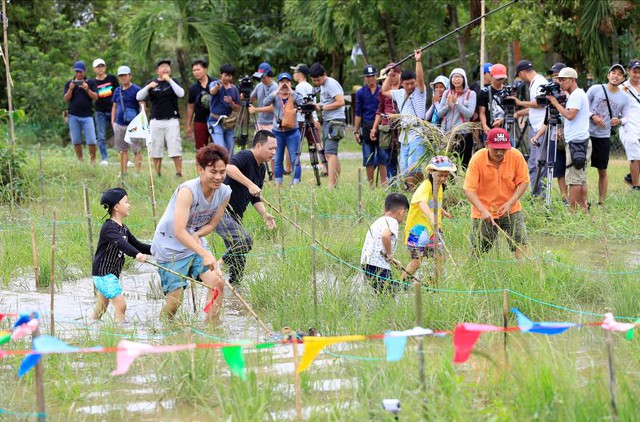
(44, 344)
(611, 324)
(465, 337)
(207, 308)
(548, 328)
(396, 341)
(630, 332)
(5, 336)
(128, 351)
(138, 129)
(313, 346)
(234, 358)
(24, 329)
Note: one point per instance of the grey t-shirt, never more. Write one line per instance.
(598, 105)
(304, 89)
(278, 103)
(328, 91)
(260, 92)
(165, 246)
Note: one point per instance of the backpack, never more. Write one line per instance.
(289, 114)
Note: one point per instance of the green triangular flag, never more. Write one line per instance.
(265, 345)
(630, 332)
(234, 358)
(5, 336)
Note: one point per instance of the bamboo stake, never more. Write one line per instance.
(153, 188)
(87, 213)
(41, 172)
(359, 193)
(52, 276)
(482, 44)
(313, 254)
(193, 297)
(191, 354)
(293, 336)
(40, 406)
(435, 187)
(612, 377)
(34, 251)
(5, 56)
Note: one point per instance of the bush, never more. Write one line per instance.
(12, 170)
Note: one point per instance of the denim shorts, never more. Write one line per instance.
(108, 285)
(191, 266)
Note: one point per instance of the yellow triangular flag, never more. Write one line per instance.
(314, 345)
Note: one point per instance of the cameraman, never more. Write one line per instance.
(609, 108)
(576, 117)
(304, 88)
(526, 72)
(225, 99)
(333, 118)
(490, 106)
(265, 87)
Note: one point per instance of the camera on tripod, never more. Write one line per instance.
(245, 86)
(553, 89)
(307, 106)
(504, 94)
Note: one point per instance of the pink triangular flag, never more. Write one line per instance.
(465, 337)
(24, 329)
(611, 324)
(128, 351)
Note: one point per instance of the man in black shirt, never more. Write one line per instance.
(106, 85)
(163, 92)
(80, 94)
(490, 109)
(199, 113)
(245, 176)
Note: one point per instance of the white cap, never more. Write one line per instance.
(124, 70)
(568, 72)
(98, 62)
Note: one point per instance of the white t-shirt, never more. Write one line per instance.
(304, 89)
(536, 115)
(373, 242)
(413, 105)
(578, 128)
(631, 130)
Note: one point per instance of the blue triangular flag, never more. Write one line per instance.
(548, 328)
(43, 344)
(395, 347)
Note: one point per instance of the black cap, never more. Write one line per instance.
(370, 70)
(523, 65)
(557, 67)
(162, 61)
(635, 63)
(301, 68)
(111, 197)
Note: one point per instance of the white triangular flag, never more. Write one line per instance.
(138, 129)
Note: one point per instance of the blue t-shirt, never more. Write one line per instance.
(129, 100)
(367, 103)
(218, 107)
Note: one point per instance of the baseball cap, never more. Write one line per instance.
(369, 70)
(440, 79)
(124, 70)
(568, 72)
(557, 67)
(98, 62)
(618, 66)
(284, 75)
(523, 65)
(301, 67)
(163, 61)
(498, 138)
(111, 197)
(486, 68)
(499, 71)
(441, 163)
(634, 64)
(80, 66)
(263, 69)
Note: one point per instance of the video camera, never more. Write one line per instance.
(245, 86)
(553, 89)
(504, 94)
(307, 106)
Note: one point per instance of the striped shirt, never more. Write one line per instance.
(115, 242)
(413, 105)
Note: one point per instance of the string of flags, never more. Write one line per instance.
(465, 336)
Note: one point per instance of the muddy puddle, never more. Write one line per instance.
(591, 254)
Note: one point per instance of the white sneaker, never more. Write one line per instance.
(129, 164)
(104, 163)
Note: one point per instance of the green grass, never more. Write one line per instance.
(546, 378)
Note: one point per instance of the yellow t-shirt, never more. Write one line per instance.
(416, 217)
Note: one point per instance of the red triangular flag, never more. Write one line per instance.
(207, 308)
(465, 337)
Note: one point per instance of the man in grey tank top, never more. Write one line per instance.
(179, 242)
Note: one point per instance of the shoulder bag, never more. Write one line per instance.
(614, 129)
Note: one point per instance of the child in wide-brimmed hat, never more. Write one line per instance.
(115, 242)
(419, 233)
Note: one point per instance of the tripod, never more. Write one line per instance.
(309, 131)
(510, 121)
(547, 158)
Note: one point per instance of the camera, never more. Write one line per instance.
(391, 406)
(553, 89)
(245, 86)
(77, 83)
(504, 93)
(307, 106)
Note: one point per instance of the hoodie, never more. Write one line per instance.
(463, 110)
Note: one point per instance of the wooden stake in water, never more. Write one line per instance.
(313, 254)
(359, 193)
(41, 172)
(193, 297)
(34, 251)
(293, 336)
(39, 383)
(612, 377)
(191, 354)
(436, 232)
(52, 277)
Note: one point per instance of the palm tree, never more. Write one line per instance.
(180, 27)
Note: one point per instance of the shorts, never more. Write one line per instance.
(631, 144)
(165, 132)
(483, 233)
(420, 243)
(191, 266)
(560, 165)
(330, 146)
(381, 279)
(108, 285)
(79, 125)
(573, 176)
(600, 152)
(121, 146)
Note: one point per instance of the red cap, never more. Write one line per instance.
(498, 138)
(498, 71)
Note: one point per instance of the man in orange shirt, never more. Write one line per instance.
(497, 177)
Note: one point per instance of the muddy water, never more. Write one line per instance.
(594, 254)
